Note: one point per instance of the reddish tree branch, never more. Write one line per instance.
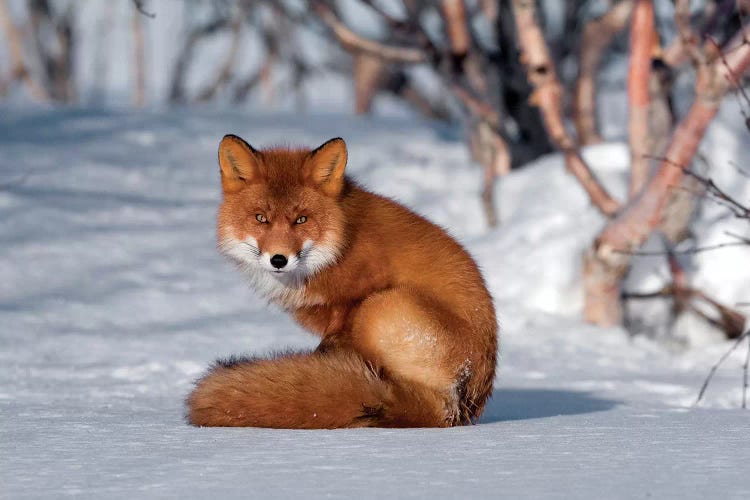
(466, 57)
(642, 42)
(489, 149)
(726, 319)
(368, 74)
(19, 69)
(476, 106)
(460, 67)
(597, 36)
(605, 263)
(547, 95)
(688, 40)
(355, 43)
(454, 15)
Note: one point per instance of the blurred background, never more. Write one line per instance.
(617, 72)
(618, 93)
(593, 156)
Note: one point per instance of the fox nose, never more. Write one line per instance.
(278, 261)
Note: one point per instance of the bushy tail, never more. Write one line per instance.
(317, 390)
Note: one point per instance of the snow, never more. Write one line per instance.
(113, 299)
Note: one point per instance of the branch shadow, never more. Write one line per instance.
(525, 404)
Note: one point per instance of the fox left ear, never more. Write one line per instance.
(325, 166)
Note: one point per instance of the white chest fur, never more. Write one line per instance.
(285, 291)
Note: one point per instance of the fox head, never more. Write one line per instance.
(280, 217)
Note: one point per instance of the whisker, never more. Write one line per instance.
(255, 250)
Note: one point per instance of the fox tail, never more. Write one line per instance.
(315, 390)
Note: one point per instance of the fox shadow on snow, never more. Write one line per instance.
(524, 404)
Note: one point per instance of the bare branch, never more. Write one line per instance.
(465, 56)
(710, 88)
(392, 21)
(603, 266)
(597, 36)
(688, 251)
(400, 84)
(642, 42)
(368, 73)
(177, 87)
(685, 46)
(729, 321)
(356, 43)
(716, 366)
(547, 95)
(736, 83)
(140, 8)
(475, 105)
(489, 149)
(454, 16)
(224, 74)
(685, 297)
(687, 38)
(56, 59)
(19, 69)
(737, 208)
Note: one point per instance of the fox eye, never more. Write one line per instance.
(301, 219)
(261, 218)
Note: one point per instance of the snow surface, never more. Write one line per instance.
(113, 299)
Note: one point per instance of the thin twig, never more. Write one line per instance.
(740, 170)
(729, 321)
(643, 38)
(185, 55)
(718, 364)
(224, 73)
(689, 251)
(744, 240)
(719, 195)
(666, 291)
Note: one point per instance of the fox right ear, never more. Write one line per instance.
(325, 166)
(239, 163)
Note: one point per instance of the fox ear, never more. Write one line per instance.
(239, 163)
(325, 166)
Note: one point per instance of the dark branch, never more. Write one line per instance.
(718, 364)
(139, 6)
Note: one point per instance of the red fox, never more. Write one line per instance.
(407, 326)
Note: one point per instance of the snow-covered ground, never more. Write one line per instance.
(113, 299)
